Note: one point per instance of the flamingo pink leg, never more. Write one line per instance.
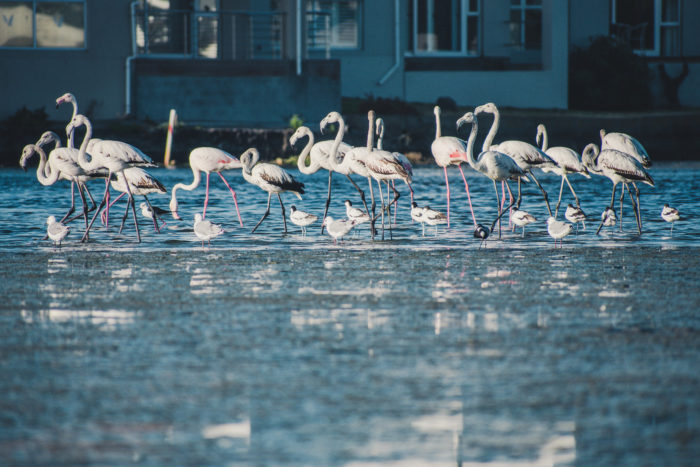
(206, 199)
(103, 216)
(466, 187)
(447, 184)
(234, 198)
(396, 205)
(109, 178)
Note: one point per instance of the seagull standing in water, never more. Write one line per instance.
(558, 229)
(338, 228)
(57, 231)
(575, 214)
(302, 219)
(670, 214)
(205, 230)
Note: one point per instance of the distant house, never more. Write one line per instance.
(259, 62)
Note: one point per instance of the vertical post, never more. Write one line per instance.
(299, 36)
(169, 140)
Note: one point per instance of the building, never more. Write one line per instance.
(261, 61)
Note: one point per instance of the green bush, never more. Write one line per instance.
(608, 75)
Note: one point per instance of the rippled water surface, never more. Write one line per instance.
(271, 349)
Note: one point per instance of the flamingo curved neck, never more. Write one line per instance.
(195, 183)
(470, 145)
(333, 157)
(380, 140)
(488, 142)
(70, 143)
(301, 160)
(93, 164)
(545, 140)
(438, 130)
(45, 173)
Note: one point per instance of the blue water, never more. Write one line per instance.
(271, 349)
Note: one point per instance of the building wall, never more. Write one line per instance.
(588, 19)
(96, 76)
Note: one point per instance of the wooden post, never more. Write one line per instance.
(169, 140)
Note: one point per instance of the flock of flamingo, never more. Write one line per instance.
(620, 157)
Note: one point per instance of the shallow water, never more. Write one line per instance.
(271, 349)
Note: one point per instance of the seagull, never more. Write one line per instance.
(575, 214)
(417, 215)
(522, 218)
(433, 217)
(205, 230)
(670, 214)
(338, 228)
(56, 230)
(557, 229)
(302, 218)
(607, 218)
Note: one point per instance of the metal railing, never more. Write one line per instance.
(237, 35)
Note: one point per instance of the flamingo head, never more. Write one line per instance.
(27, 152)
(590, 152)
(489, 107)
(249, 158)
(332, 117)
(173, 209)
(466, 118)
(67, 97)
(299, 133)
(48, 137)
(540, 132)
(75, 122)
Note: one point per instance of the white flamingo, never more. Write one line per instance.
(115, 156)
(670, 214)
(205, 230)
(567, 162)
(629, 145)
(301, 218)
(524, 154)
(619, 167)
(493, 164)
(448, 151)
(522, 218)
(56, 231)
(141, 183)
(270, 178)
(208, 160)
(379, 124)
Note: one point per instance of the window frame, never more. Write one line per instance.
(464, 22)
(524, 7)
(35, 45)
(658, 26)
(332, 44)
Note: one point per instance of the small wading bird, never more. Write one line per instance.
(153, 212)
(493, 164)
(607, 218)
(481, 232)
(417, 215)
(301, 218)
(670, 214)
(338, 228)
(433, 217)
(141, 183)
(619, 167)
(557, 230)
(522, 218)
(270, 178)
(575, 214)
(355, 214)
(56, 230)
(207, 160)
(205, 230)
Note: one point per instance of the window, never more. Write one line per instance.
(526, 24)
(333, 24)
(42, 24)
(445, 27)
(651, 27)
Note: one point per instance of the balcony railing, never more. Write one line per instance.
(237, 35)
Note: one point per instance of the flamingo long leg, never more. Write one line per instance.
(233, 193)
(133, 207)
(498, 206)
(105, 199)
(622, 195)
(634, 208)
(155, 221)
(512, 202)
(469, 197)
(72, 202)
(572, 191)
(328, 199)
(373, 218)
(267, 211)
(284, 216)
(612, 206)
(544, 193)
(206, 199)
(107, 196)
(639, 206)
(396, 208)
(447, 184)
(561, 189)
(103, 216)
(362, 193)
(126, 213)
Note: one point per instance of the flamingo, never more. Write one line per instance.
(114, 156)
(205, 230)
(140, 183)
(522, 218)
(56, 231)
(379, 124)
(69, 98)
(270, 178)
(619, 167)
(338, 228)
(575, 214)
(448, 151)
(629, 145)
(302, 218)
(321, 158)
(567, 161)
(557, 230)
(670, 214)
(493, 164)
(208, 160)
(526, 155)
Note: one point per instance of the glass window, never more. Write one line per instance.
(447, 27)
(333, 23)
(651, 27)
(43, 24)
(526, 24)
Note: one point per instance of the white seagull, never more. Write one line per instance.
(205, 230)
(670, 214)
(338, 228)
(302, 218)
(56, 230)
(558, 229)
